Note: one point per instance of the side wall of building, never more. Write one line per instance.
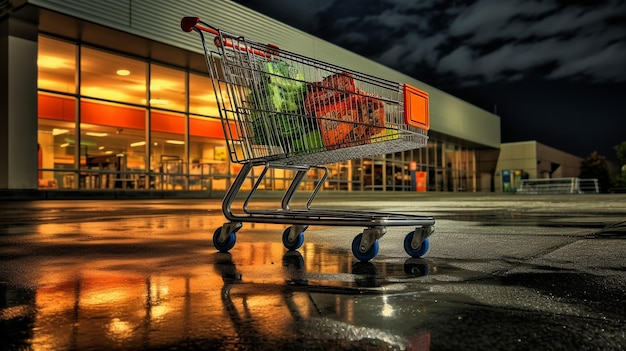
(533, 160)
(18, 132)
(553, 163)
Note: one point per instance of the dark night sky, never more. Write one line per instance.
(553, 70)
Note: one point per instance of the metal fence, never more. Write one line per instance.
(559, 186)
(100, 179)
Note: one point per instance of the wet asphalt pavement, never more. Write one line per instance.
(506, 272)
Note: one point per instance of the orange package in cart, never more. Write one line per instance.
(372, 115)
(349, 122)
(330, 90)
(340, 81)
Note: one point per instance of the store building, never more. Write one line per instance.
(113, 95)
(532, 160)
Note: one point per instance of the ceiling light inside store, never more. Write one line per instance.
(138, 143)
(65, 145)
(175, 142)
(57, 131)
(97, 134)
(123, 72)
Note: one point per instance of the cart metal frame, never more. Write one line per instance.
(235, 72)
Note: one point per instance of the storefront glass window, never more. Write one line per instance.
(56, 150)
(112, 77)
(208, 159)
(202, 99)
(168, 149)
(167, 88)
(112, 144)
(56, 65)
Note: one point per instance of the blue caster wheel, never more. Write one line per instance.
(367, 255)
(296, 243)
(227, 244)
(415, 252)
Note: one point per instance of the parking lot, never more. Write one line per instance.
(504, 272)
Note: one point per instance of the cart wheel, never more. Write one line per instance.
(363, 256)
(227, 244)
(420, 251)
(295, 244)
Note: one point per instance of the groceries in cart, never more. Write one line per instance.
(301, 116)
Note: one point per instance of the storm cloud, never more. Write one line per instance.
(487, 40)
(547, 67)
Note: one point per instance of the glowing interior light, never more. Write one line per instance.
(57, 131)
(138, 143)
(175, 142)
(122, 72)
(50, 62)
(96, 134)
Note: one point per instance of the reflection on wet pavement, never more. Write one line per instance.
(252, 296)
(155, 282)
(311, 299)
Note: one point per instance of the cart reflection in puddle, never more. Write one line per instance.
(252, 297)
(318, 315)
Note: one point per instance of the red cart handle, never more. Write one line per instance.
(188, 24)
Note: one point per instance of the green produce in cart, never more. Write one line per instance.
(311, 142)
(277, 108)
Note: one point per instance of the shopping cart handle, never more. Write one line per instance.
(188, 24)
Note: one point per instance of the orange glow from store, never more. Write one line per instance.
(120, 330)
(51, 62)
(110, 94)
(119, 116)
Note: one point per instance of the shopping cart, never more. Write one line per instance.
(281, 110)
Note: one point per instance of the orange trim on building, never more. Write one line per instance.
(56, 107)
(111, 115)
(63, 109)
